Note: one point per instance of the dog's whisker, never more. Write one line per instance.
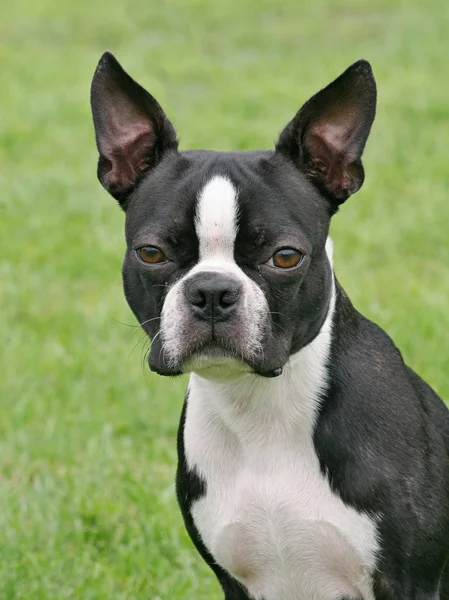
(125, 324)
(155, 337)
(149, 321)
(139, 341)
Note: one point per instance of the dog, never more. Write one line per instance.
(313, 463)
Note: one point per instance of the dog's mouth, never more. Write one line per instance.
(215, 361)
(211, 358)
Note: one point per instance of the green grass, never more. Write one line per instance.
(87, 437)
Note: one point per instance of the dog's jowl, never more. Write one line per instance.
(313, 463)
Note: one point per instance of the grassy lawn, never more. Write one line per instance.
(87, 435)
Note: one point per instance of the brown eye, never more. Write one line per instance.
(151, 255)
(286, 258)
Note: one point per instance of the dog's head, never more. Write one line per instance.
(226, 262)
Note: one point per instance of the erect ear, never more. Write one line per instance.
(131, 129)
(327, 136)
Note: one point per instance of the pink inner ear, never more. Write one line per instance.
(320, 152)
(336, 132)
(129, 155)
(332, 158)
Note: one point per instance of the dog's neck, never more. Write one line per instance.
(257, 407)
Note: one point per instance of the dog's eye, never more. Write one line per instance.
(151, 255)
(286, 258)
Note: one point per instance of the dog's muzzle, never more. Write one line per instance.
(214, 314)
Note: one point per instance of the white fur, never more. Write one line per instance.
(216, 219)
(269, 516)
(216, 228)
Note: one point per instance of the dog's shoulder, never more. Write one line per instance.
(382, 434)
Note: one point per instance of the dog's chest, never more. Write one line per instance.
(269, 516)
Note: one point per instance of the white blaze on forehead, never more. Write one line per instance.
(216, 219)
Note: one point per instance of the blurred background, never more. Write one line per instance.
(87, 434)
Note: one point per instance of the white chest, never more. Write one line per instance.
(269, 516)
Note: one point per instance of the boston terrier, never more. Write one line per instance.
(313, 463)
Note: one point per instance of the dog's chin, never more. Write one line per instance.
(213, 361)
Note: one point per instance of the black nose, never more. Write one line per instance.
(212, 296)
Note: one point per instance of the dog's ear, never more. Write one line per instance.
(131, 129)
(327, 136)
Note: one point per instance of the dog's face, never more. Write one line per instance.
(231, 259)
(226, 265)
